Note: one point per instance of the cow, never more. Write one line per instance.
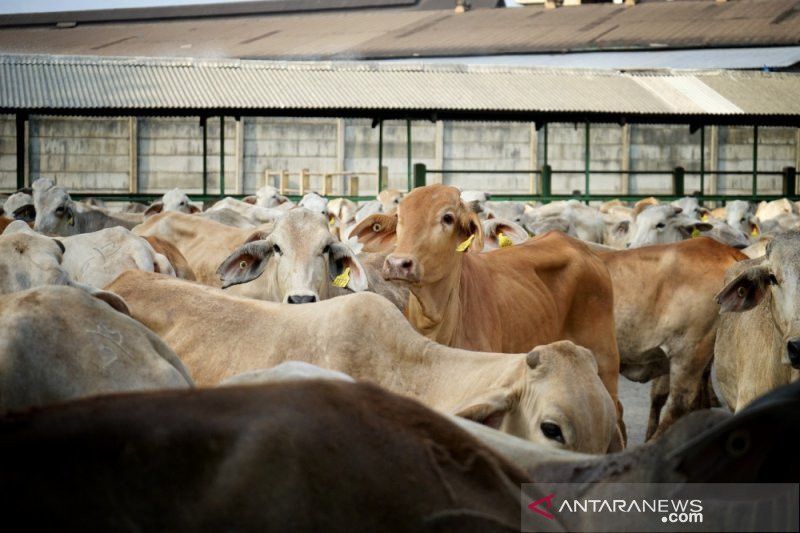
(286, 371)
(551, 395)
(253, 213)
(301, 456)
(390, 199)
(268, 196)
(60, 342)
(174, 200)
(666, 318)
(315, 203)
(758, 344)
(58, 214)
(509, 300)
(229, 217)
(501, 233)
(299, 262)
(664, 224)
(96, 259)
(173, 255)
(341, 217)
(570, 217)
(376, 232)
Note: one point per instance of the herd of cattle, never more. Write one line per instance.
(450, 348)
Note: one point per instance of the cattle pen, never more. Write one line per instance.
(213, 90)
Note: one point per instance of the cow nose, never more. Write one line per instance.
(301, 299)
(793, 348)
(400, 267)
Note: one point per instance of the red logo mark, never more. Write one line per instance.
(548, 501)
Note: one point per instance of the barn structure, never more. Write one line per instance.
(222, 102)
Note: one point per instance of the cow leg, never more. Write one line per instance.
(686, 380)
(659, 392)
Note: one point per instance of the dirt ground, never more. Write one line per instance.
(635, 398)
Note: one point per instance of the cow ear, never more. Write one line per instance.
(155, 208)
(378, 232)
(469, 225)
(341, 257)
(193, 209)
(746, 290)
(26, 213)
(250, 199)
(246, 263)
(259, 235)
(699, 226)
(622, 227)
(500, 233)
(490, 410)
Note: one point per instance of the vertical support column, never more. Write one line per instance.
(587, 157)
(222, 156)
(678, 174)
(438, 150)
(534, 157)
(702, 162)
(133, 154)
(409, 170)
(625, 162)
(797, 148)
(713, 159)
(755, 162)
(380, 156)
(21, 152)
(544, 161)
(789, 182)
(28, 152)
(239, 151)
(204, 125)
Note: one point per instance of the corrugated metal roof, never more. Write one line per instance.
(87, 83)
(404, 32)
(774, 57)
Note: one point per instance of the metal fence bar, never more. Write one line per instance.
(755, 162)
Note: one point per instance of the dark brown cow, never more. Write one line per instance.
(295, 456)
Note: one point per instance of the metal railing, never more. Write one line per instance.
(541, 183)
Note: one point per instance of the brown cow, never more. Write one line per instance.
(508, 300)
(175, 257)
(666, 318)
(296, 456)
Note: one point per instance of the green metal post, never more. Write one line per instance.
(755, 162)
(677, 181)
(544, 161)
(204, 124)
(789, 182)
(222, 156)
(586, 164)
(420, 175)
(380, 156)
(702, 163)
(547, 175)
(408, 151)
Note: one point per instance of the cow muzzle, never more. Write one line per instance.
(301, 298)
(401, 267)
(793, 351)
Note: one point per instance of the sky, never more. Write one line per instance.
(38, 6)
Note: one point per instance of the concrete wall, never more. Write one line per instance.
(94, 154)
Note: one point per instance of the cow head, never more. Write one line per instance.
(433, 222)
(740, 215)
(772, 280)
(300, 259)
(29, 260)
(55, 210)
(663, 224)
(500, 233)
(561, 402)
(268, 196)
(390, 199)
(174, 200)
(19, 206)
(378, 233)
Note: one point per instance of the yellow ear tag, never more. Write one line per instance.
(331, 221)
(754, 232)
(466, 244)
(503, 240)
(695, 233)
(342, 279)
(704, 218)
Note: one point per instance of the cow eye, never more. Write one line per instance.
(552, 431)
(60, 211)
(326, 250)
(741, 220)
(660, 225)
(448, 219)
(276, 249)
